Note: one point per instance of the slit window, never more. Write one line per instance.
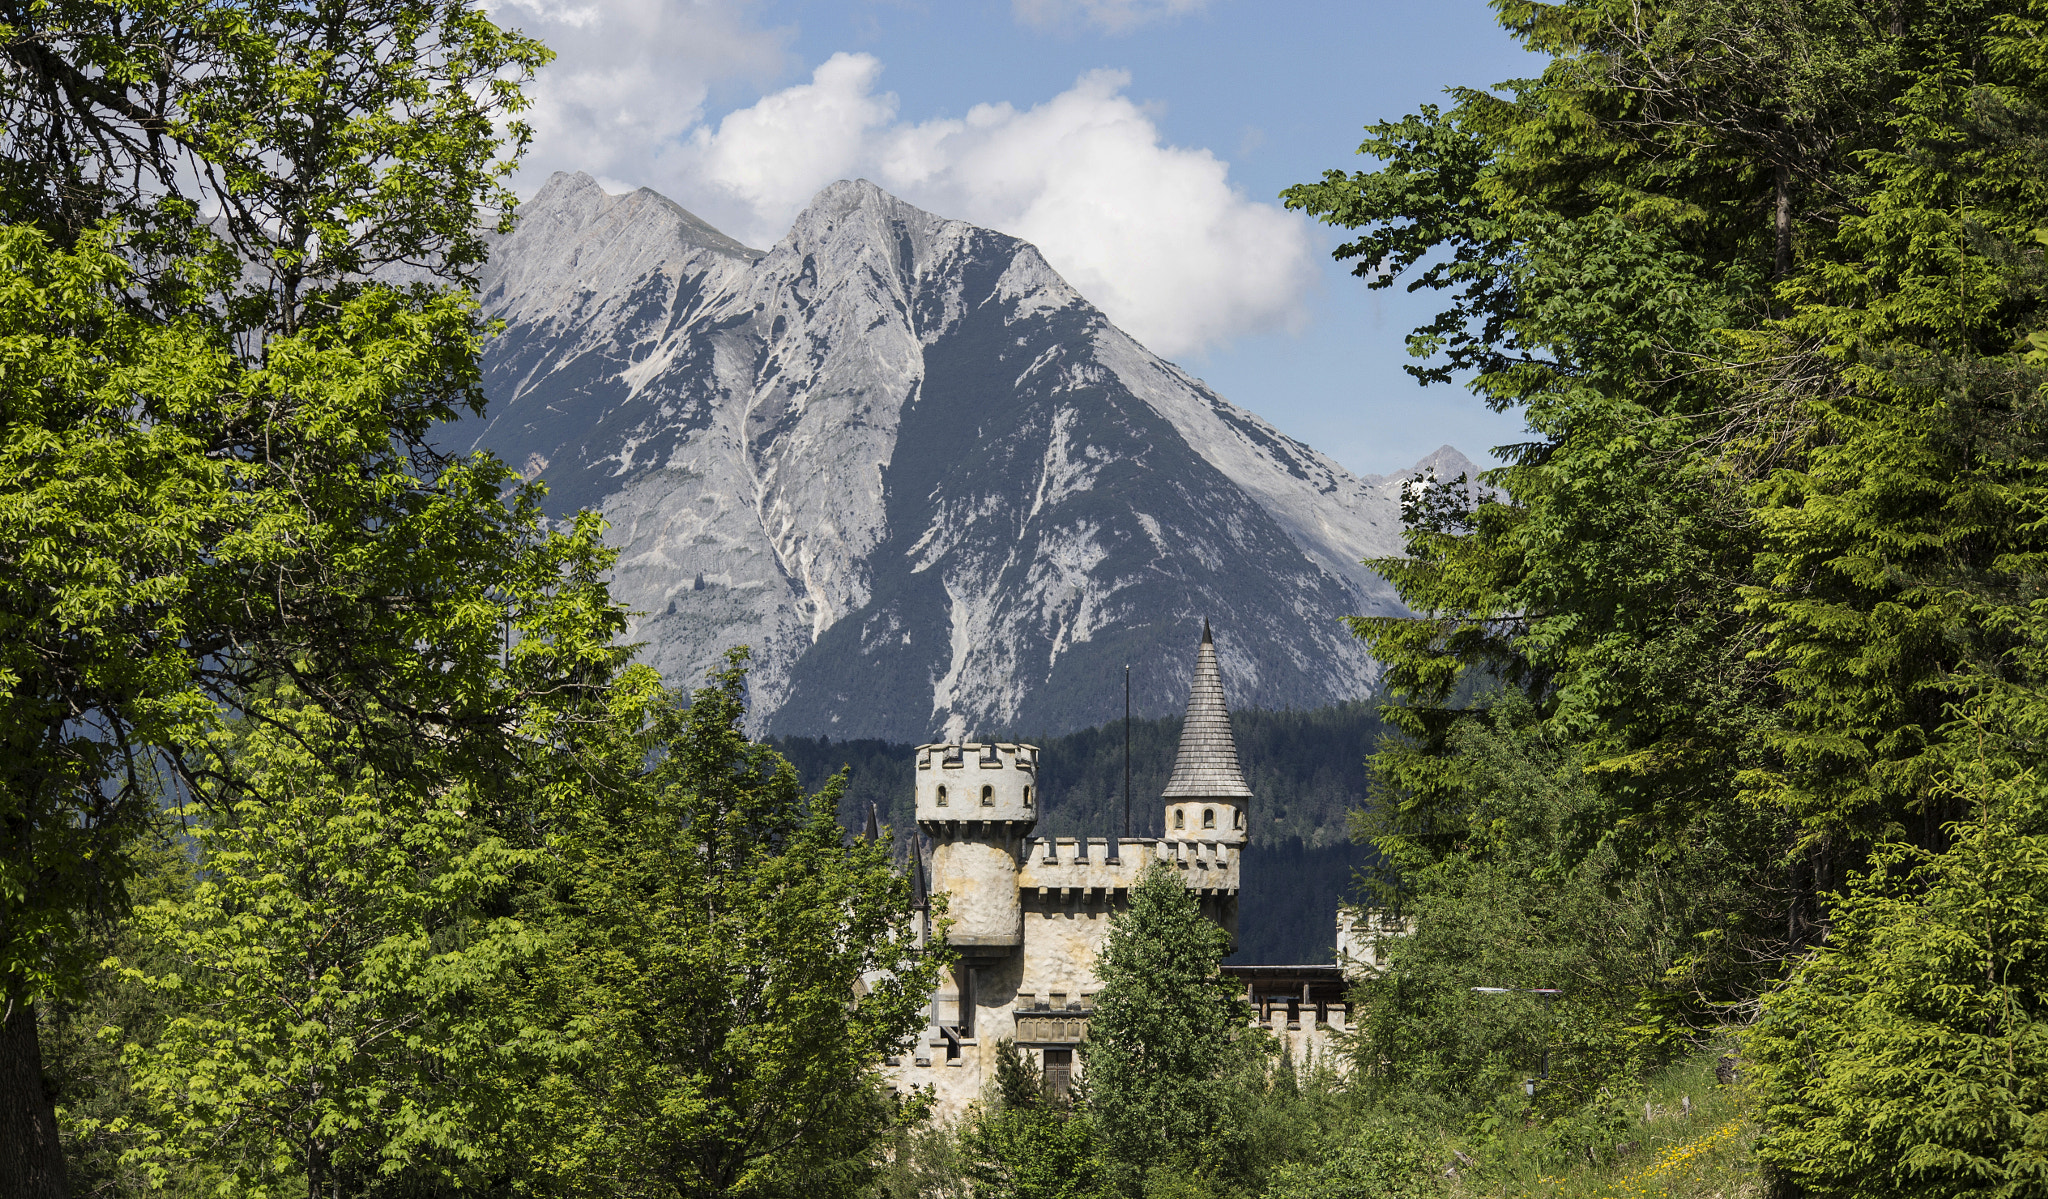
(1027, 797)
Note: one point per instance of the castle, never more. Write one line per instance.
(1029, 913)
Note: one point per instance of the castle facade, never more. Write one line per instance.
(1029, 914)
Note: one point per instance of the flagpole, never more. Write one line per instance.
(1127, 749)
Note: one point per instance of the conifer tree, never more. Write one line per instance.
(1165, 1027)
(1767, 284)
(1022, 1143)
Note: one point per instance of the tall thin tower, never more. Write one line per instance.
(1207, 799)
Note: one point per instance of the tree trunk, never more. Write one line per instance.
(31, 1160)
(1782, 212)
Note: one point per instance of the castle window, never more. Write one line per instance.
(1027, 797)
(1059, 1072)
(942, 795)
(988, 797)
(1208, 818)
(1240, 820)
(1180, 819)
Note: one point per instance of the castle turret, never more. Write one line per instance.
(977, 802)
(1207, 799)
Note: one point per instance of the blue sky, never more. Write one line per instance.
(1140, 143)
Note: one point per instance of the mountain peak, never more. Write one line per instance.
(918, 473)
(858, 209)
(578, 200)
(1447, 463)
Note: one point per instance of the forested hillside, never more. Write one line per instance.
(1306, 770)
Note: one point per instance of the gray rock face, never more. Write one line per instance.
(935, 489)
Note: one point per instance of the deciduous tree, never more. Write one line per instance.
(217, 474)
(326, 981)
(720, 973)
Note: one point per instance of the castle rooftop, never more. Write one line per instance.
(1206, 767)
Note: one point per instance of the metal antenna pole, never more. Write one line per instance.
(1127, 749)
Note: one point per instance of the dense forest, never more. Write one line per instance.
(344, 851)
(1306, 768)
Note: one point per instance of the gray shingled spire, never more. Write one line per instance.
(1207, 765)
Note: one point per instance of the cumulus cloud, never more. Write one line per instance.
(630, 76)
(1154, 234)
(1113, 16)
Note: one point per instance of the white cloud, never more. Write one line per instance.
(774, 155)
(629, 76)
(1154, 234)
(1113, 16)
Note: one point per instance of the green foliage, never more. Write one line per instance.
(322, 983)
(1166, 1030)
(921, 1160)
(1909, 1055)
(1375, 1162)
(1765, 284)
(1768, 521)
(1021, 1143)
(215, 475)
(717, 974)
(232, 238)
(1539, 894)
(83, 1034)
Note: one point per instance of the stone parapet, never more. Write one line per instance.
(1069, 864)
(977, 783)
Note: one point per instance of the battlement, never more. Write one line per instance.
(1362, 936)
(1082, 868)
(977, 782)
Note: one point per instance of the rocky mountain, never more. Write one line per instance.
(932, 486)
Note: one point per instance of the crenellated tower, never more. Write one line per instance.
(978, 801)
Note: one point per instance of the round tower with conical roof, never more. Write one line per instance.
(1207, 799)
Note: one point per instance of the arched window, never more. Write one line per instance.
(1180, 819)
(1208, 818)
(988, 797)
(1027, 797)
(942, 795)
(1240, 819)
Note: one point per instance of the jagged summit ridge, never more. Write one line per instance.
(934, 488)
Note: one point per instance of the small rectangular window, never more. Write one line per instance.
(1059, 1072)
